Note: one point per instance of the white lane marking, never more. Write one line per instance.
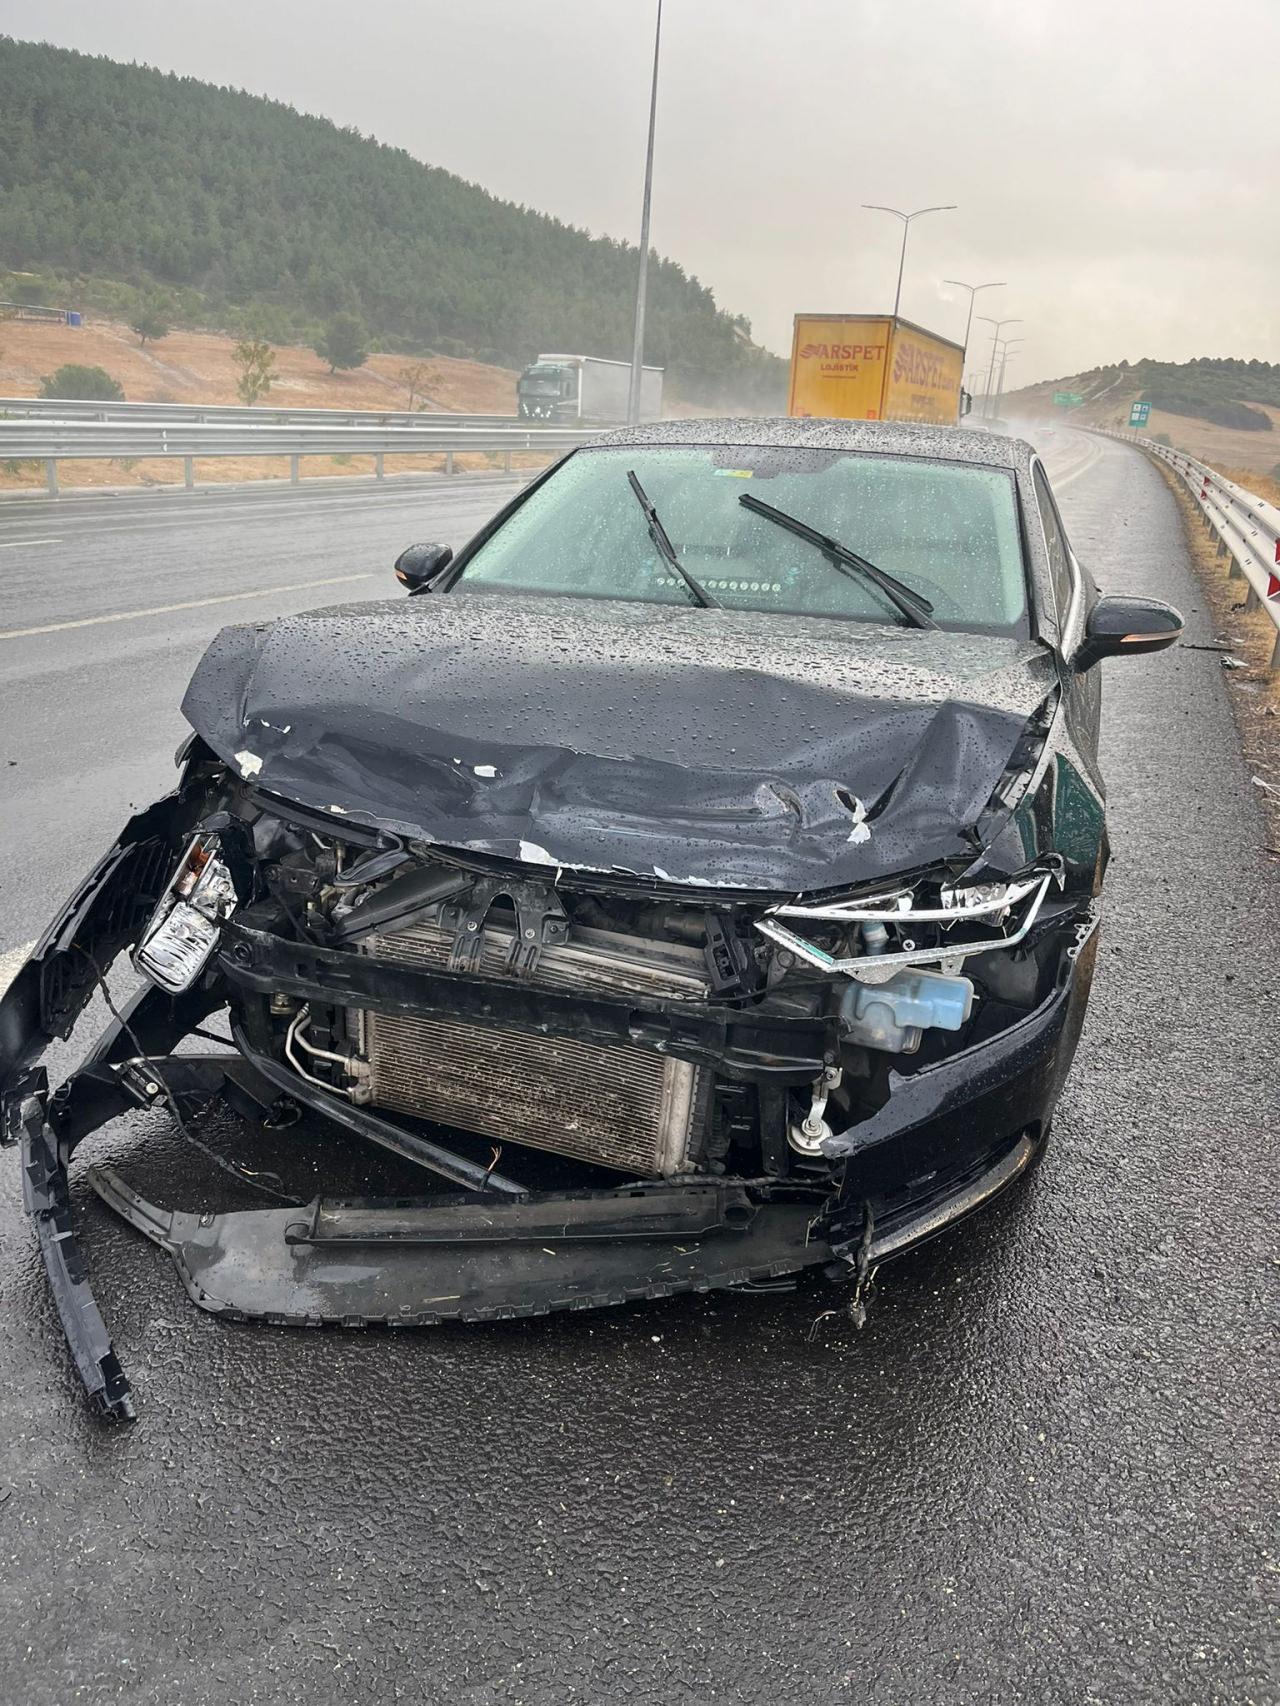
(11, 964)
(12, 544)
(187, 604)
(1091, 461)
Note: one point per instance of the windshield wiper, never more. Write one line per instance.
(666, 550)
(914, 606)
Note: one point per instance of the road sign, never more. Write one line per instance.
(1138, 414)
(1068, 399)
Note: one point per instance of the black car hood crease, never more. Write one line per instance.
(739, 749)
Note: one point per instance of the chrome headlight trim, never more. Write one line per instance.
(957, 904)
(876, 968)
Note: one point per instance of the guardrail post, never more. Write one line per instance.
(51, 475)
(1274, 665)
(448, 462)
(293, 471)
(506, 462)
(189, 473)
(378, 470)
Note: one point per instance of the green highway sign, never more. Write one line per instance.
(1139, 413)
(1067, 399)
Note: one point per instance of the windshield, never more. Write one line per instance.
(947, 530)
(544, 379)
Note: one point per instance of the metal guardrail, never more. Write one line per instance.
(52, 442)
(1247, 526)
(63, 409)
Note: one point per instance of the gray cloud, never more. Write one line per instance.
(1112, 159)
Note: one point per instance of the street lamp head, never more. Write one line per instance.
(899, 213)
(906, 218)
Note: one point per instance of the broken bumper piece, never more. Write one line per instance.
(364, 1263)
(47, 1200)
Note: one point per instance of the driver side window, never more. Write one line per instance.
(1055, 538)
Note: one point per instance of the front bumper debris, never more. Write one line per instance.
(365, 1263)
(947, 1138)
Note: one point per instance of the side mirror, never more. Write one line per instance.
(1118, 627)
(418, 565)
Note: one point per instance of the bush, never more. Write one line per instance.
(32, 292)
(255, 362)
(1164, 439)
(74, 382)
(344, 343)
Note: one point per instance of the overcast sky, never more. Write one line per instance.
(1114, 160)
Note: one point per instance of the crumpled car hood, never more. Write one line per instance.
(740, 749)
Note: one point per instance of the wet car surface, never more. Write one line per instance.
(1032, 1475)
(745, 891)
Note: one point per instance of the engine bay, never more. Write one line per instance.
(617, 1027)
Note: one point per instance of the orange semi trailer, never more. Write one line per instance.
(871, 367)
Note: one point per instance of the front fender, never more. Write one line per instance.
(104, 915)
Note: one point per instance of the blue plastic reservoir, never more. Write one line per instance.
(893, 1015)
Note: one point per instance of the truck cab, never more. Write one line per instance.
(548, 390)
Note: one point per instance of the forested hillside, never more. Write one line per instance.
(1223, 390)
(1218, 389)
(250, 215)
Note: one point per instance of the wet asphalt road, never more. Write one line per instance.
(1039, 1474)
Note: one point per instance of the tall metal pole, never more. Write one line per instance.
(991, 370)
(902, 265)
(1004, 362)
(906, 218)
(973, 289)
(637, 347)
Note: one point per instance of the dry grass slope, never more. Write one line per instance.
(196, 367)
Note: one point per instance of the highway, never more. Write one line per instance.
(1036, 1474)
(107, 603)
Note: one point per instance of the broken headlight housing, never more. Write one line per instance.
(184, 928)
(872, 959)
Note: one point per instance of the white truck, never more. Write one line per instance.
(585, 388)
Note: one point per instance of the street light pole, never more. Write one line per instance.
(991, 370)
(637, 346)
(1004, 363)
(906, 218)
(973, 289)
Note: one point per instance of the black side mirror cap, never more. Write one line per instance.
(1120, 627)
(418, 565)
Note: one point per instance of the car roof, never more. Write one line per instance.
(944, 443)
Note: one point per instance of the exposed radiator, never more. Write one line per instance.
(629, 1109)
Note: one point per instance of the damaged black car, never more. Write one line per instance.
(697, 878)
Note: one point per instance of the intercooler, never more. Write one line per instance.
(626, 1108)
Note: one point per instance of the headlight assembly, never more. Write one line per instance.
(185, 926)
